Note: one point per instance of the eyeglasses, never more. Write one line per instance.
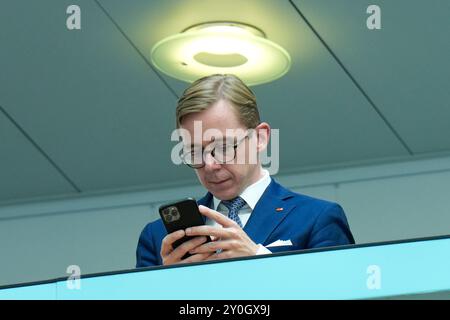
(224, 153)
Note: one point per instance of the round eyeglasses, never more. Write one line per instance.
(223, 153)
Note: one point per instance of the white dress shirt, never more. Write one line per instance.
(251, 195)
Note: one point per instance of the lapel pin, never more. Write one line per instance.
(279, 209)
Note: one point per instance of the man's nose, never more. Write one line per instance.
(210, 162)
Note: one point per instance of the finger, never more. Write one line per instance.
(208, 231)
(212, 247)
(219, 256)
(185, 247)
(166, 245)
(196, 258)
(216, 216)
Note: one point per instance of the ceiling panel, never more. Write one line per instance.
(24, 171)
(105, 116)
(86, 96)
(322, 117)
(404, 67)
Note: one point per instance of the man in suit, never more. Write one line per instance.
(246, 211)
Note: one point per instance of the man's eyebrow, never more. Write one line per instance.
(213, 139)
(193, 145)
(207, 142)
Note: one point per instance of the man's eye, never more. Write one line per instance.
(193, 150)
(228, 149)
(220, 149)
(196, 153)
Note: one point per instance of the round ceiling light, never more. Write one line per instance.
(221, 47)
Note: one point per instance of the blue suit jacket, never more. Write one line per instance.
(305, 221)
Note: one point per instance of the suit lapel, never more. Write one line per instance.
(265, 216)
(206, 200)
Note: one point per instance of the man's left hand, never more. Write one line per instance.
(231, 240)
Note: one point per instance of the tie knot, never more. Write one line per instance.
(235, 204)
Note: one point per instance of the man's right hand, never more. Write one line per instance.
(172, 256)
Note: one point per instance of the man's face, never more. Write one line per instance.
(225, 181)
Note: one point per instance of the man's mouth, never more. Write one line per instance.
(219, 182)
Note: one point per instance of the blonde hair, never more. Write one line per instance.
(206, 91)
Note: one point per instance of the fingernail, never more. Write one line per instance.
(188, 230)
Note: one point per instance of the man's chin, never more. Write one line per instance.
(224, 194)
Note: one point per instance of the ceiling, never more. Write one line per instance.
(84, 111)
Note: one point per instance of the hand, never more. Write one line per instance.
(231, 239)
(173, 256)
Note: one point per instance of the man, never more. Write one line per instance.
(246, 211)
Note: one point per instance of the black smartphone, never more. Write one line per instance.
(179, 215)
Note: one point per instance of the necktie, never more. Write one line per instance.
(234, 205)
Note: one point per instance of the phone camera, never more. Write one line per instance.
(171, 214)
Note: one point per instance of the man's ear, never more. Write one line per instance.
(263, 136)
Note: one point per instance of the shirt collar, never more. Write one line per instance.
(252, 193)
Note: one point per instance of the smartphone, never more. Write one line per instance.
(179, 215)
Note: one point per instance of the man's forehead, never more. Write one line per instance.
(213, 132)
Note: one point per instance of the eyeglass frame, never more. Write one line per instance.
(199, 166)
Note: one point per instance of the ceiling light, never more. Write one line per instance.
(221, 47)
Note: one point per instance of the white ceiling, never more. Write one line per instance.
(85, 111)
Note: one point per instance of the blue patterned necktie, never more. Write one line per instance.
(234, 205)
